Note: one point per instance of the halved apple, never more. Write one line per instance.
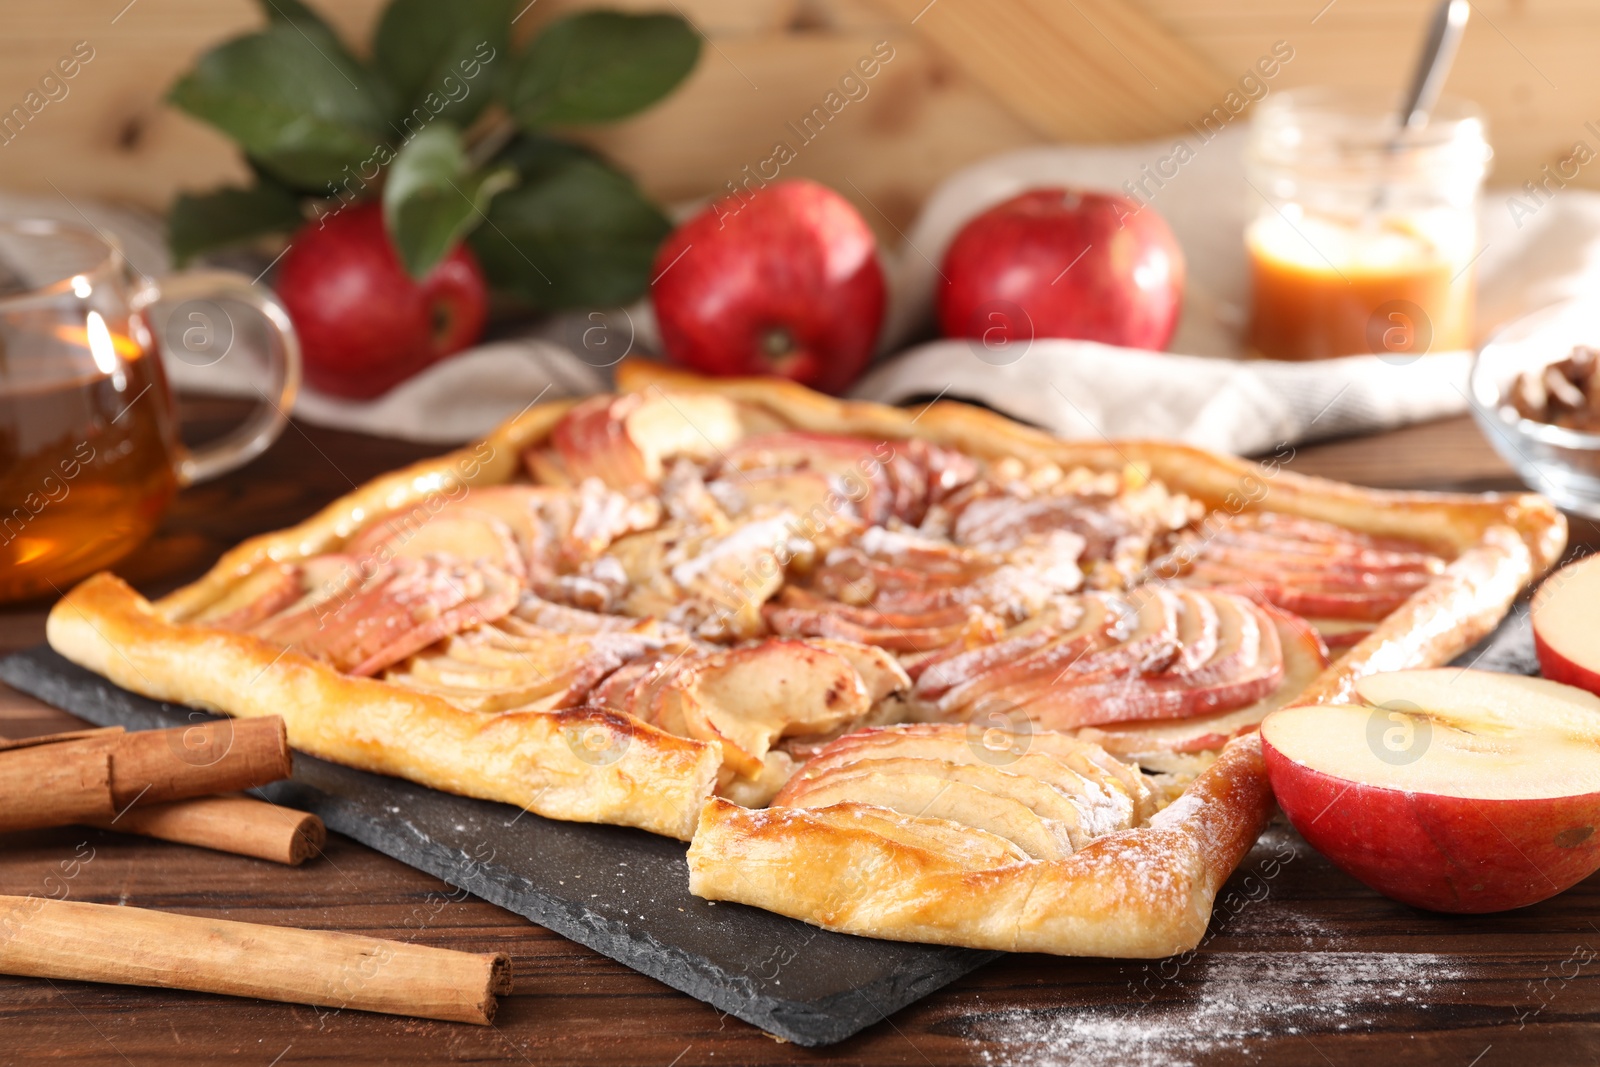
(1453, 790)
(1566, 625)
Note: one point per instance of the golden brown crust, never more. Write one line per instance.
(585, 764)
(1145, 892)
(1142, 893)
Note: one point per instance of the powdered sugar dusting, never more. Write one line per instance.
(1221, 1010)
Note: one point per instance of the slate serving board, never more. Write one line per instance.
(621, 892)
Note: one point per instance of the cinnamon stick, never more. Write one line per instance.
(190, 761)
(46, 938)
(9, 743)
(228, 824)
(39, 788)
(80, 779)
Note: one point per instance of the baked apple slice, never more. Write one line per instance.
(1071, 809)
(747, 698)
(811, 493)
(932, 796)
(257, 597)
(939, 842)
(1160, 655)
(880, 672)
(1151, 742)
(711, 581)
(1101, 804)
(490, 669)
(1453, 790)
(644, 689)
(904, 572)
(1313, 569)
(625, 440)
(459, 531)
(882, 480)
(361, 617)
(1062, 635)
(797, 612)
(534, 616)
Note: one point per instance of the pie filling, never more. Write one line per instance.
(861, 624)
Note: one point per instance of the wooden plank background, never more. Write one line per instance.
(968, 78)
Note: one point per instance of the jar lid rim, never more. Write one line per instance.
(1368, 114)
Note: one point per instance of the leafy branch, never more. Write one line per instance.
(450, 127)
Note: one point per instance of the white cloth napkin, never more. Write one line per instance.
(1199, 392)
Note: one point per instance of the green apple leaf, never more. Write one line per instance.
(300, 109)
(431, 200)
(596, 66)
(443, 58)
(204, 222)
(574, 232)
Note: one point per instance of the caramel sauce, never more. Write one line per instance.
(1320, 291)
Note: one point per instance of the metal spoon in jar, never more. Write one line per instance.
(1428, 77)
(1433, 64)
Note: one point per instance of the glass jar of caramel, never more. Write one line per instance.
(1365, 232)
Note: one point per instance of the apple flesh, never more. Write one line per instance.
(784, 282)
(1566, 625)
(625, 441)
(1452, 790)
(365, 325)
(1060, 262)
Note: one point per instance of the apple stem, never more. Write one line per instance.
(442, 320)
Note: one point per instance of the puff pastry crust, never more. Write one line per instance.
(1141, 891)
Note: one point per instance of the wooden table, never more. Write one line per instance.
(1302, 964)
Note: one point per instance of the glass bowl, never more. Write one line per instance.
(1560, 463)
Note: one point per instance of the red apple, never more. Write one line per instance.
(784, 281)
(1063, 263)
(1566, 625)
(365, 325)
(1454, 790)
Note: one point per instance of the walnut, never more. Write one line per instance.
(1565, 393)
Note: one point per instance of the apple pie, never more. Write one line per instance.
(931, 676)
